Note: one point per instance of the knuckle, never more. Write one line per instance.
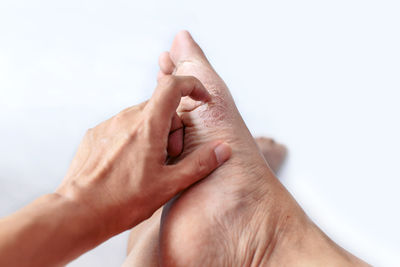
(116, 123)
(89, 133)
(118, 118)
(129, 112)
(125, 119)
(122, 115)
(192, 79)
(168, 81)
(202, 165)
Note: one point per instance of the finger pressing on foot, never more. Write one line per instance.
(175, 138)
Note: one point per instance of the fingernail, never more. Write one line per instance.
(222, 152)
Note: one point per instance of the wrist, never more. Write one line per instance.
(52, 230)
(80, 219)
(72, 227)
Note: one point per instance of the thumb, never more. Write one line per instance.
(198, 164)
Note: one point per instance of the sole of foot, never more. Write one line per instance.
(143, 245)
(231, 217)
(240, 215)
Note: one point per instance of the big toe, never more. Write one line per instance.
(184, 48)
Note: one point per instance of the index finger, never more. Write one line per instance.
(167, 96)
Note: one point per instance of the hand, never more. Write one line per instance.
(119, 171)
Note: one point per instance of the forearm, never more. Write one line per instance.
(51, 231)
(119, 172)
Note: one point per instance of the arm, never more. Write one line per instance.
(117, 179)
(50, 231)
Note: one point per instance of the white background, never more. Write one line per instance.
(321, 77)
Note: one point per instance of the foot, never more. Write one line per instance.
(232, 216)
(240, 215)
(143, 246)
(273, 152)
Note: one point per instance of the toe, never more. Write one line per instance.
(184, 48)
(166, 64)
(273, 152)
(264, 144)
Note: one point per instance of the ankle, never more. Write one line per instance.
(302, 243)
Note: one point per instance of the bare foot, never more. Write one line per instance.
(240, 215)
(230, 217)
(273, 152)
(143, 246)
